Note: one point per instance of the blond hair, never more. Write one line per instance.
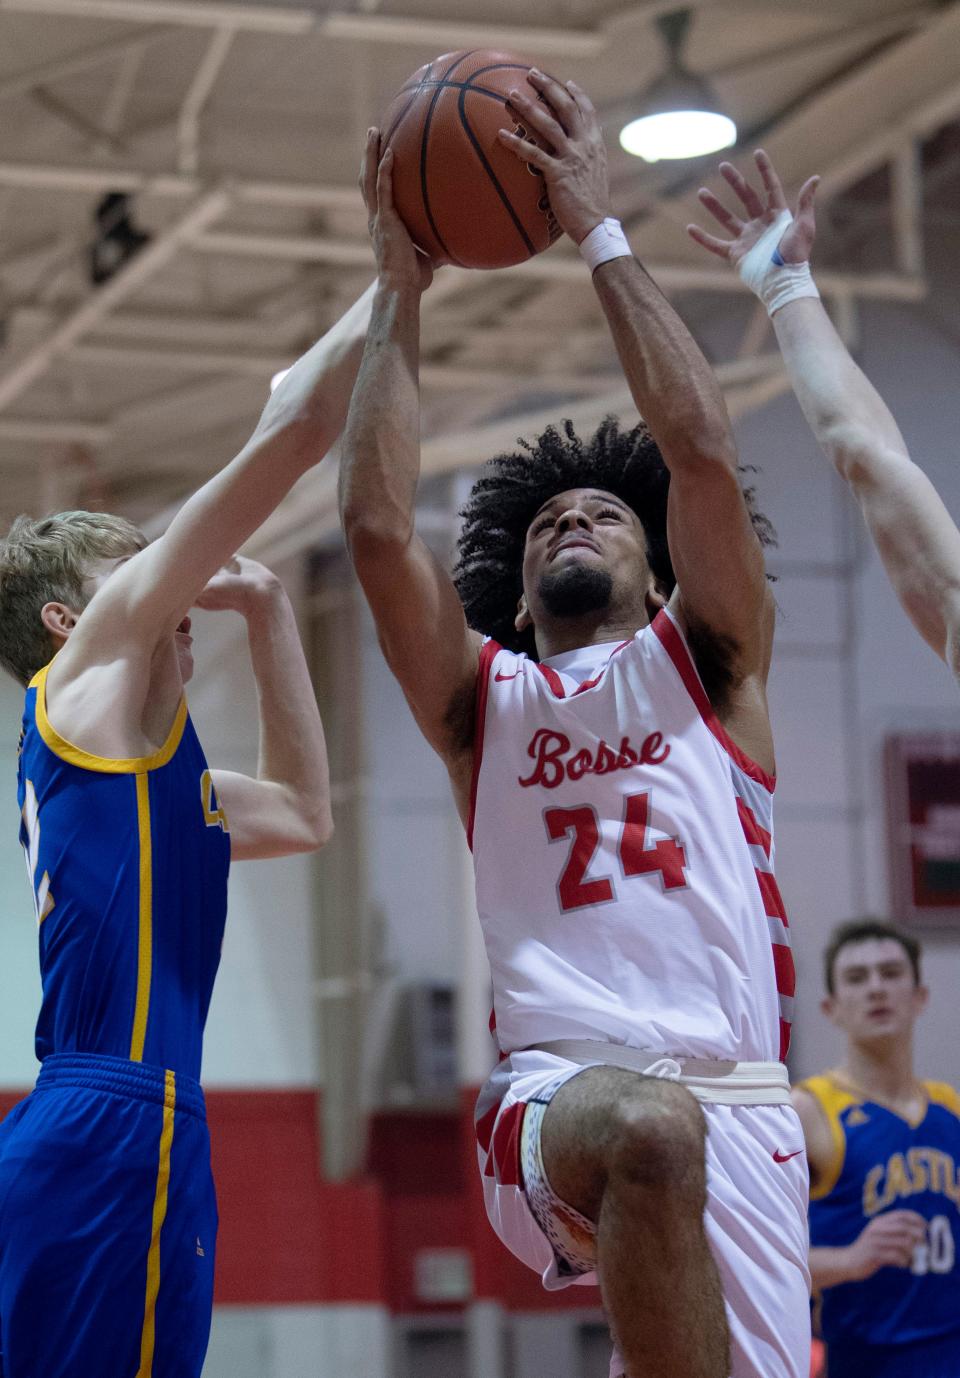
(48, 560)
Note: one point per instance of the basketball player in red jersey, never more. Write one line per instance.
(915, 536)
(611, 756)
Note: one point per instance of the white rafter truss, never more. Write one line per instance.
(236, 128)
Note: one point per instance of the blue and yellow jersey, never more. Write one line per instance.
(128, 861)
(883, 1162)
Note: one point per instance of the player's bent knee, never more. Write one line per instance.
(658, 1138)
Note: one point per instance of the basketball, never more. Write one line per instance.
(464, 197)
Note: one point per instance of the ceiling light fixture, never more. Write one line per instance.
(681, 116)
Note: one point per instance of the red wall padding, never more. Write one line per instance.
(415, 1159)
(286, 1236)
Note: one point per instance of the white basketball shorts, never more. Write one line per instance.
(756, 1216)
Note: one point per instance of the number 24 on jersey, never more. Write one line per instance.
(639, 856)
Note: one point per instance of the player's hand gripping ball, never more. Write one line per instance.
(463, 196)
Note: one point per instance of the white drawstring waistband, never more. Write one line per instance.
(713, 1081)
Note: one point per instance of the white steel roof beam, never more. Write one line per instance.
(907, 91)
(549, 267)
(93, 133)
(132, 276)
(855, 124)
(866, 32)
(47, 73)
(182, 330)
(919, 123)
(60, 432)
(188, 127)
(906, 176)
(355, 253)
(357, 28)
(202, 14)
(442, 377)
(120, 357)
(124, 84)
(48, 177)
(451, 34)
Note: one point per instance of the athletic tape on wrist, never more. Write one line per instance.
(766, 274)
(605, 241)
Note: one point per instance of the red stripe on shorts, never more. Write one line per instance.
(506, 1146)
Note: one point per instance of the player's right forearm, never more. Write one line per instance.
(380, 463)
(293, 750)
(828, 1267)
(673, 386)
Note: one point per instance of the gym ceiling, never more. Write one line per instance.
(235, 131)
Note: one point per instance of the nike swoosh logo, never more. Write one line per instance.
(498, 676)
(779, 1157)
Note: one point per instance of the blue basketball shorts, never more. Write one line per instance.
(933, 1358)
(108, 1223)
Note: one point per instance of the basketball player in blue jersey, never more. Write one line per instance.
(107, 1212)
(916, 538)
(884, 1155)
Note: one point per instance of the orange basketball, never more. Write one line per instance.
(464, 196)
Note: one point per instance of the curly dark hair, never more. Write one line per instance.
(513, 487)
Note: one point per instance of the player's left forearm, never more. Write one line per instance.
(915, 535)
(293, 750)
(314, 395)
(673, 386)
(298, 425)
(847, 415)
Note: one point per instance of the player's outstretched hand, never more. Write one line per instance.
(240, 586)
(563, 140)
(761, 212)
(889, 1241)
(398, 261)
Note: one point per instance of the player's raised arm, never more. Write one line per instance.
(419, 618)
(715, 552)
(915, 535)
(286, 808)
(144, 601)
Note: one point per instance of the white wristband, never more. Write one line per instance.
(605, 241)
(764, 271)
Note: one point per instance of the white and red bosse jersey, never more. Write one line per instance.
(623, 850)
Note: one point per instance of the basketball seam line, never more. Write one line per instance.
(517, 223)
(440, 83)
(424, 139)
(399, 120)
